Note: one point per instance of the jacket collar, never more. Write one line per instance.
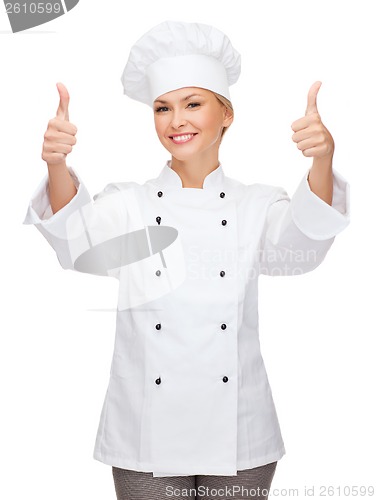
(169, 177)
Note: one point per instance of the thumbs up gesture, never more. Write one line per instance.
(59, 137)
(310, 134)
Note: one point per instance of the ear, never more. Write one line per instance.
(228, 117)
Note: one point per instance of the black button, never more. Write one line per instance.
(222, 195)
(222, 273)
(225, 379)
(224, 222)
(223, 326)
(158, 273)
(160, 193)
(158, 381)
(158, 219)
(158, 326)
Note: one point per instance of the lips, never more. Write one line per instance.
(181, 138)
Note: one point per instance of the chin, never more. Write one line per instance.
(180, 155)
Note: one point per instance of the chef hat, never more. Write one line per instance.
(173, 55)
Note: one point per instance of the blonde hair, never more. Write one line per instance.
(223, 100)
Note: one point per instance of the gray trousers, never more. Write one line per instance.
(250, 483)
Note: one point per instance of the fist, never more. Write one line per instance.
(311, 136)
(59, 137)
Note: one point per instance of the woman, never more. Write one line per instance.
(189, 406)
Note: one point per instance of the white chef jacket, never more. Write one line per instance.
(188, 392)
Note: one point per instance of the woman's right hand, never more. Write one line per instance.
(59, 137)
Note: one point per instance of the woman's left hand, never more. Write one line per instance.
(311, 136)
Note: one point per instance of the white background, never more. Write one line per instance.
(57, 327)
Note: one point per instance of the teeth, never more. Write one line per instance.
(182, 138)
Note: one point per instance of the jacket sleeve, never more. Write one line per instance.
(85, 233)
(299, 232)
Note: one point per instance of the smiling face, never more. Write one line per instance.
(189, 122)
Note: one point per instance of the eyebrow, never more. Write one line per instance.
(181, 100)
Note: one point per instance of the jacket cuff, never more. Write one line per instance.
(39, 210)
(314, 217)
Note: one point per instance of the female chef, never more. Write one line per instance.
(189, 409)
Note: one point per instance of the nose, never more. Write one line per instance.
(178, 119)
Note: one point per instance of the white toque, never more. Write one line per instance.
(173, 55)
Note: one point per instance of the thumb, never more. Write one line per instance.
(62, 110)
(312, 99)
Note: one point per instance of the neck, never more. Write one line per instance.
(193, 171)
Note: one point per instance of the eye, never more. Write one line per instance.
(161, 109)
(194, 104)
